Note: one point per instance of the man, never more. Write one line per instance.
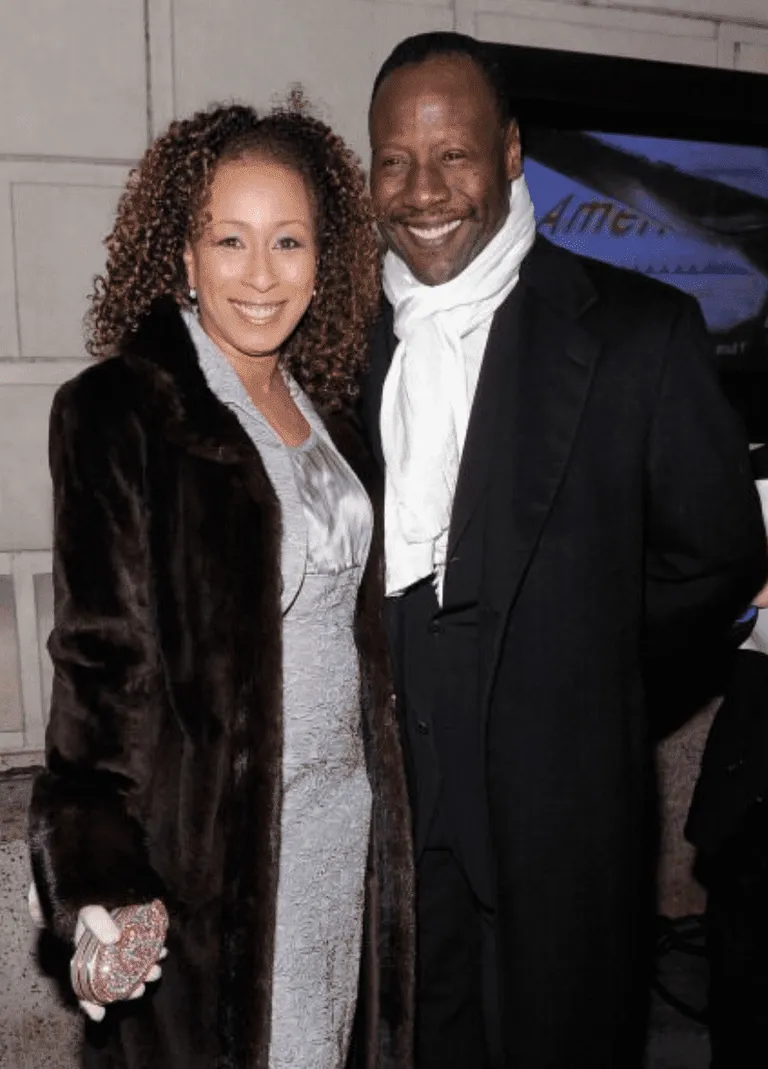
(565, 491)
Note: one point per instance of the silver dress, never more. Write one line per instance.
(327, 524)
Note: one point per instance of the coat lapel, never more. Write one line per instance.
(163, 354)
(549, 372)
(195, 419)
(479, 446)
(187, 412)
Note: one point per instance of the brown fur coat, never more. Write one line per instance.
(164, 747)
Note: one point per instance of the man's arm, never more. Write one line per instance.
(758, 459)
(705, 539)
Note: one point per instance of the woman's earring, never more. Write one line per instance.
(193, 295)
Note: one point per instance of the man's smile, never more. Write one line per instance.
(433, 232)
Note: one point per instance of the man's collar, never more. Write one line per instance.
(560, 277)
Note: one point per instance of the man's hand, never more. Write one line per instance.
(760, 601)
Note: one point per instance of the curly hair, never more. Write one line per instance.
(163, 207)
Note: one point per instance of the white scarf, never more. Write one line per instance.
(426, 400)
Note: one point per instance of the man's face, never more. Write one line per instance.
(441, 165)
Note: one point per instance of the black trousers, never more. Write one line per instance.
(457, 1007)
(737, 937)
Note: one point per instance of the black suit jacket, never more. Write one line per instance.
(621, 524)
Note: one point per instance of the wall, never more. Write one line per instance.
(83, 85)
(711, 33)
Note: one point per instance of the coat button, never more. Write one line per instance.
(435, 627)
(422, 727)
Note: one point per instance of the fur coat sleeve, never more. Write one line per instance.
(106, 672)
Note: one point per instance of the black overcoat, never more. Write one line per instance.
(620, 523)
(164, 745)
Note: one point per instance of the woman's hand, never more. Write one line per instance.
(34, 907)
(96, 921)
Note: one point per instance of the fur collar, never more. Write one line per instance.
(162, 353)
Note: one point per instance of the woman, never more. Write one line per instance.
(221, 714)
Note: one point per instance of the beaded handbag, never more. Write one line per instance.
(102, 973)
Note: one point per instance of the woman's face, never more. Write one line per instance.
(254, 262)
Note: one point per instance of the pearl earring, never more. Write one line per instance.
(193, 294)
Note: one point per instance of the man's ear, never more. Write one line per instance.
(513, 152)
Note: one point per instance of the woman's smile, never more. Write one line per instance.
(260, 313)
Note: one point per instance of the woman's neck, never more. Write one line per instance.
(260, 375)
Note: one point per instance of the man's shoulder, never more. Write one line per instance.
(617, 288)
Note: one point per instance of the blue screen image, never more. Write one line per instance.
(692, 214)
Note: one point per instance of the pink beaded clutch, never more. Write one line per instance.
(104, 974)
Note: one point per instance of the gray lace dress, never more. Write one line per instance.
(327, 526)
